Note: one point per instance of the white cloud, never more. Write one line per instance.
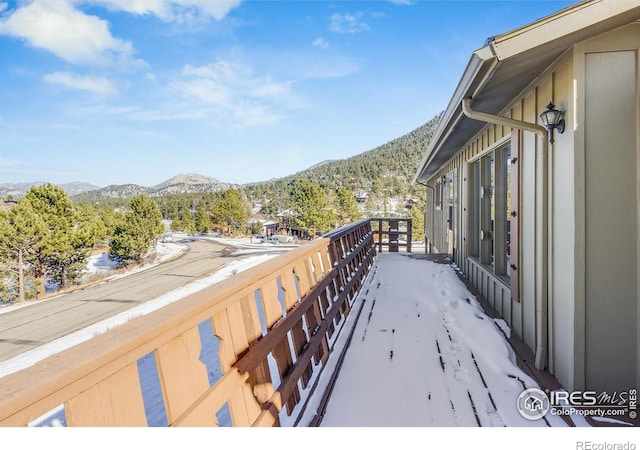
(8, 162)
(62, 28)
(56, 26)
(320, 43)
(182, 11)
(334, 66)
(79, 110)
(229, 90)
(154, 135)
(347, 23)
(98, 85)
(204, 90)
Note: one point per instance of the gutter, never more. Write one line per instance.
(542, 299)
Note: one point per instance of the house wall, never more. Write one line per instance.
(556, 85)
(593, 171)
(607, 79)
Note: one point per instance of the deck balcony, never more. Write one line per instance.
(292, 342)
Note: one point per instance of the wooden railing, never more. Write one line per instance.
(273, 325)
(392, 234)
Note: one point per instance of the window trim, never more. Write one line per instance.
(502, 142)
(490, 252)
(438, 194)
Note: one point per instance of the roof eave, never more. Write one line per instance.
(552, 34)
(479, 63)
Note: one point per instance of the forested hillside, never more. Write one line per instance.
(378, 174)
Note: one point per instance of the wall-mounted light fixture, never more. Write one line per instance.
(553, 119)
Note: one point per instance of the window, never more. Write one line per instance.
(473, 208)
(489, 210)
(438, 194)
(452, 197)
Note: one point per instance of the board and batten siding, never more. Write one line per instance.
(607, 72)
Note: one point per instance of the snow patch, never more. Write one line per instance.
(503, 326)
(29, 358)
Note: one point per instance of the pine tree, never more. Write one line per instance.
(135, 235)
(311, 204)
(188, 224)
(62, 253)
(347, 207)
(202, 219)
(416, 213)
(231, 211)
(176, 224)
(21, 232)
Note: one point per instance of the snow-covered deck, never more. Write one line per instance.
(424, 353)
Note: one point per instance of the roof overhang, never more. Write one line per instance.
(498, 72)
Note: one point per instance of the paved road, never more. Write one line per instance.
(29, 327)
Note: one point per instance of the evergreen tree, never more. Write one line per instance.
(347, 207)
(311, 204)
(21, 232)
(62, 253)
(176, 224)
(90, 226)
(107, 219)
(188, 224)
(416, 214)
(202, 220)
(230, 211)
(256, 228)
(135, 235)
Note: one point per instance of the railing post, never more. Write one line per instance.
(393, 235)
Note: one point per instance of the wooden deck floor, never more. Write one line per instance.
(425, 353)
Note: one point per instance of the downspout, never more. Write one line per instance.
(542, 303)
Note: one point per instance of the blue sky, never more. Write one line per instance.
(137, 91)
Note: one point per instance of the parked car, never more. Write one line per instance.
(167, 238)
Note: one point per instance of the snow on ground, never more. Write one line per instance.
(425, 354)
(101, 268)
(29, 358)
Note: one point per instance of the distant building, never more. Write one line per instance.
(269, 227)
(408, 204)
(299, 232)
(362, 197)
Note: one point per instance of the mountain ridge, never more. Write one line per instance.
(183, 183)
(386, 169)
(16, 190)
